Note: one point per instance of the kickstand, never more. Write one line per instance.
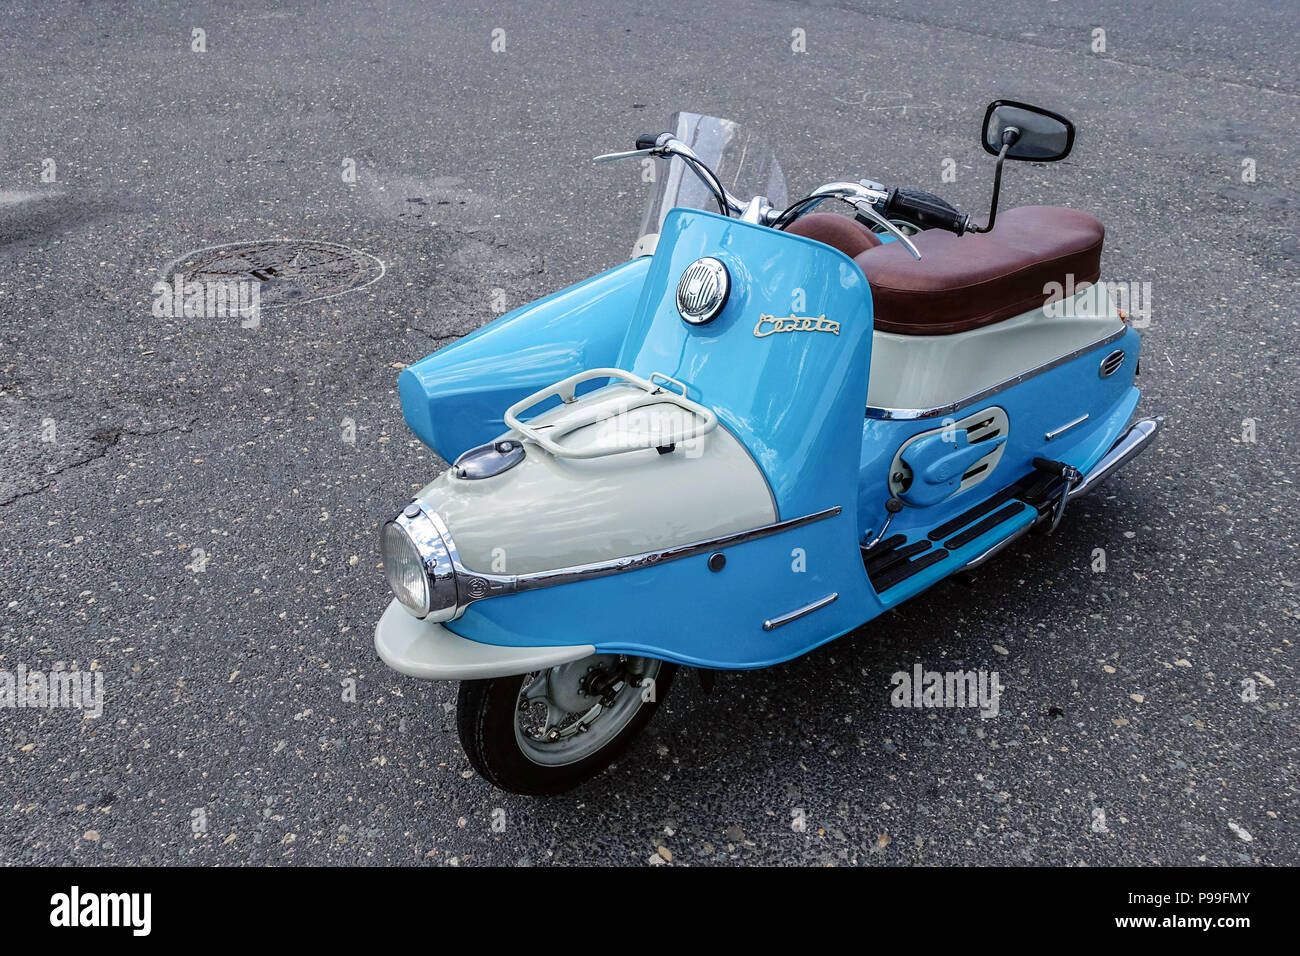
(1070, 476)
(708, 678)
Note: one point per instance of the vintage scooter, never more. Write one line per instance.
(767, 428)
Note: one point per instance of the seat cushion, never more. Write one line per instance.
(847, 235)
(964, 282)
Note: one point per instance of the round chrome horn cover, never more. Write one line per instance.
(703, 290)
(438, 556)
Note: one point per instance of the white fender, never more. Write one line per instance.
(424, 649)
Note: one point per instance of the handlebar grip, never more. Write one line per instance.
(647, 140)
(924, 210)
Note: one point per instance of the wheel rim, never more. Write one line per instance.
(566, 714)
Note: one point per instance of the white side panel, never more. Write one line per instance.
(926, 371)
(549, 512)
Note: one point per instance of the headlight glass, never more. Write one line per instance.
(404, 570)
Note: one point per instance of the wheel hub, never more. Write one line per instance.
(578, 686)
(570, 711)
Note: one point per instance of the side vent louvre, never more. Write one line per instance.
(983, 430)
(986, 425)
(1111, 363)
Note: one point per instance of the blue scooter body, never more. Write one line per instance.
(797, 402)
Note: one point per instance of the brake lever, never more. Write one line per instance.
(864, 206)
(612, 157)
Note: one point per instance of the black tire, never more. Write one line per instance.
(485, 720)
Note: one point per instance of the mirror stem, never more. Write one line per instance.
(1009, 137)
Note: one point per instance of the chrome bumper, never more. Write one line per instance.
(428, 650)
(1128, 447)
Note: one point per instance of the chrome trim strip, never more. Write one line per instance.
(600, 569)
(908, 414)
(474, 586)
(771, 624)
(1056, 432)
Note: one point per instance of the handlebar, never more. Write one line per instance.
(667, 144)
(867, 197)
(871, 199)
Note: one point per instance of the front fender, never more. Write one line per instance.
(424, 649)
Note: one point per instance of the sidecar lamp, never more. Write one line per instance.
(419, 564)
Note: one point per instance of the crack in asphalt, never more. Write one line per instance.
(104, 439)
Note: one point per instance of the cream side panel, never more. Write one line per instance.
(925, 371)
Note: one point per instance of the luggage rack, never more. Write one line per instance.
(653, 391)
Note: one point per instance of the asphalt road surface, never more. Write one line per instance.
(181, 509)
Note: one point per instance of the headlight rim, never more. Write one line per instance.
(439, 561)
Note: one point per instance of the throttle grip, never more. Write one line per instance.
(925, 210)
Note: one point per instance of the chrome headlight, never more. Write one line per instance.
(420, 563)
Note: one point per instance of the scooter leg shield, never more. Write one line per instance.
(784, 365)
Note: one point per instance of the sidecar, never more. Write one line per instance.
(632, 488)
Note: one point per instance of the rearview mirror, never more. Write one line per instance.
(1029, 132)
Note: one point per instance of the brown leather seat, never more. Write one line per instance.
(965, 282)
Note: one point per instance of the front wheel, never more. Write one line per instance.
(550, 730)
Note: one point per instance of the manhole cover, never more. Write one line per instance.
(289, 271)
